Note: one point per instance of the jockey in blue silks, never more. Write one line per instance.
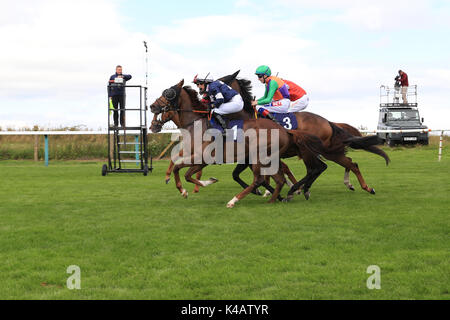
(224, 99)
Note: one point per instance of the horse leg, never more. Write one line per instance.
(287, 172)
(280, 180)
(171, 165)
(257, 181)
(198, 176)
(347, 180)
(316, 172)
(236, 177)
(312, 173)
(176, 174)
(348, 164)
(269, 189)
(195, 170)
(169, 171)
(292, 181)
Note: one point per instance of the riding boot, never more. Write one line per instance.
(271, 117)
(267, 114)
(221, 121)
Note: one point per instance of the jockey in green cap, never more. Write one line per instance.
(276, 97)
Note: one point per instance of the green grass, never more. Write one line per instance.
(135, 237)
(86, 147)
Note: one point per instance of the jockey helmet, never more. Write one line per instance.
(197, 80)
(263, 70)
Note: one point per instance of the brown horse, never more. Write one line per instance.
(190, 112)
(242, 86)
(330, 133)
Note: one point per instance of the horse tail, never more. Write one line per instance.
(379, 152)
(350, 129)
(367, 143)
(314, 145)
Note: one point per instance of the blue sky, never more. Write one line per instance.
(59, 54)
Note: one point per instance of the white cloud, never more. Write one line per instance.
(59, 55)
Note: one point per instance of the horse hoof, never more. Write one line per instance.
(232, 203)
(167, 181)
(298, 192)
(257, 192)
(267, 194)
(288, 199)
(196, 191)
(307, 195)
(352, 188)
(373, 192)
(213, 180)
(185, 194)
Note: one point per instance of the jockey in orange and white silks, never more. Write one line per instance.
(298, 96)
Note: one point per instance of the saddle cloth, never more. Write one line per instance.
(286, 120)
(234, 126)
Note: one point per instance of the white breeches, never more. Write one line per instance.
(299, 105)
(235, 105)
(280, 106)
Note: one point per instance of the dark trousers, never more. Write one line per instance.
(119, 103)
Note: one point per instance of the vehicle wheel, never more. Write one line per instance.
(146, 170)
(104, 170)
(425, 142)
(389, 142)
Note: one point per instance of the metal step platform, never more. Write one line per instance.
(130, 141)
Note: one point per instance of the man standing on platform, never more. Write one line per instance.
(116, 94)
(405, 84)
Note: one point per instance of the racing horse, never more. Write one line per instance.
(330, 133)
(184, 102)
(242, 86)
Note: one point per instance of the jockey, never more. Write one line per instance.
(276, 98)
(298, 96)
(224, 99)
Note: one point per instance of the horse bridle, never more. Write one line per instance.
(171, 96)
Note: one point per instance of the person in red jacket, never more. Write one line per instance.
(405, 84)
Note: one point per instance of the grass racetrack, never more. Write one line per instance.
(135, 237)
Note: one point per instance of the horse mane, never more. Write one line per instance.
(246, 93)
(246, 90)
(193, 95)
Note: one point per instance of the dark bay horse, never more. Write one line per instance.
(331, 134)
(184, 102)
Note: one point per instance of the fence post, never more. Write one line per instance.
(441, 144)
(36, 148)
(46, 150)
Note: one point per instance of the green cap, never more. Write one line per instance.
(265, 70)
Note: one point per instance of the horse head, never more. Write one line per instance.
(166, 106)
(169, 100)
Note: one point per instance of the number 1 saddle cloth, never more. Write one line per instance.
(234, 126)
